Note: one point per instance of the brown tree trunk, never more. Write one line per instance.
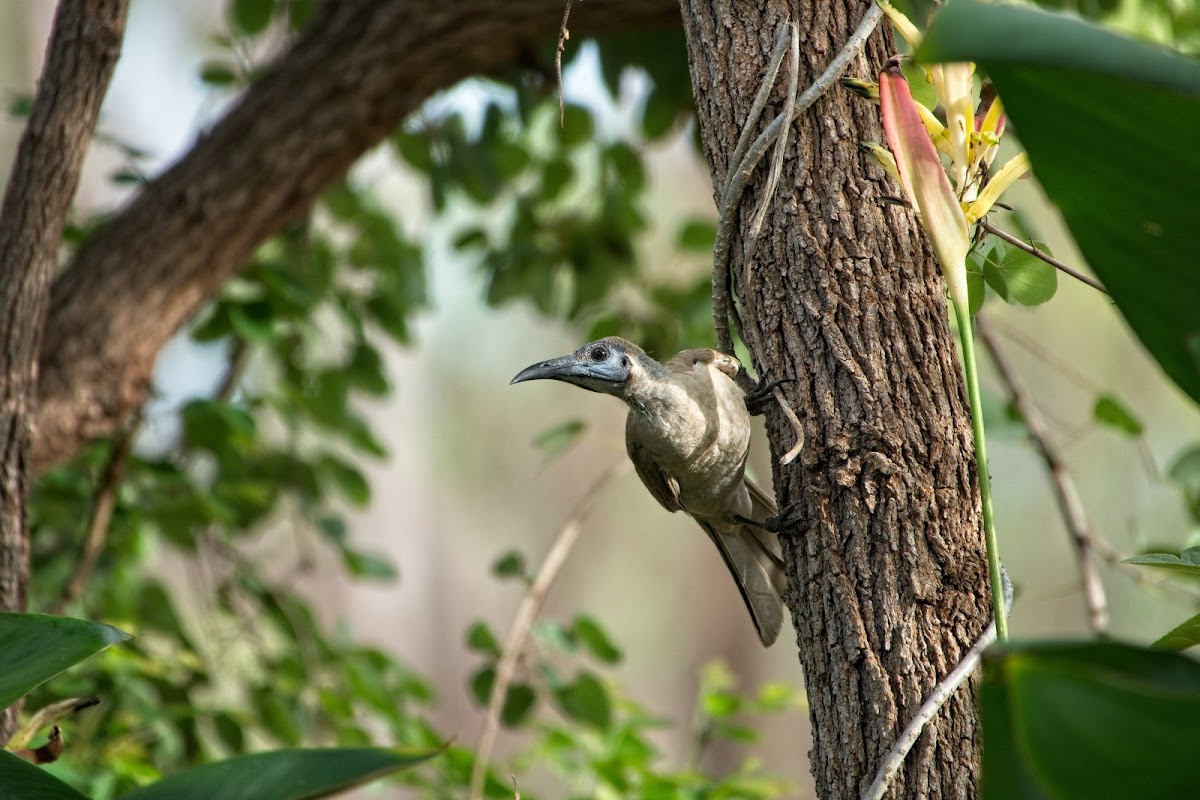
(83, 50)
(887, 574)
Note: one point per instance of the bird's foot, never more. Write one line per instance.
(779, 524)
(762, 393)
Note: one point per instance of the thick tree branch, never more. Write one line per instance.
(83, 50)
(358, 70)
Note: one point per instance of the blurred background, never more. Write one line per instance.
(470, 474)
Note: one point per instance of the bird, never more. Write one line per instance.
(688, 435)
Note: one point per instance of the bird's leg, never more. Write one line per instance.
(762, 392)
(779, 524)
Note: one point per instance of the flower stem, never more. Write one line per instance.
(971, 367)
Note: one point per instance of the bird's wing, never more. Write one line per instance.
(741, 552)
(664, 487)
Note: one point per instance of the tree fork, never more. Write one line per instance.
(887, 570)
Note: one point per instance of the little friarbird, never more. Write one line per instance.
(688, 434)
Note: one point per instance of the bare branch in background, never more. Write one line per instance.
(1069, 502)
(1044, 256)
(526, 614)
(104, 501)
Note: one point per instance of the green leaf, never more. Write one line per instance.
(480, 684)
(1185, 470)
(217, 73)
(20, 780)
(577, 125)
(559, 437)
(1104, 118)
(1187, 562)
(1112, 412)
(251, 16)
(976, 285)
(586, 700)
(369, 566)
(511, 564)
(1088, 720)
(698, 235)
(627, 164)
(588, 631)
(658, 115)
(297, 774)
(1029, 279)
(518, 704)
(36, 647)
(349, 480)
(1184, 635)
(481, 640)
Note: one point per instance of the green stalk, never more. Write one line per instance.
(971, 367)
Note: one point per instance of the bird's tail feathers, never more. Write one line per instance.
(758, 573)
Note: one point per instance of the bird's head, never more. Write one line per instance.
(605, 366)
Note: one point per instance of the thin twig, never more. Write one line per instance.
(104, 501)
(49, 715)
(933, 704)
(1044, 256)
(1069, 503)
(563, 35)
(787, 115)
(556, 556)
(742, 161)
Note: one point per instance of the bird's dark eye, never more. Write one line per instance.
(599, 354)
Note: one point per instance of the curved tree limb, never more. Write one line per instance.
(355, 73)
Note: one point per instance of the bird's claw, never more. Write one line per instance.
(779, 524)
(758, 397)
(782, 522)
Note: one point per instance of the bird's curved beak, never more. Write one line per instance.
(556, 369)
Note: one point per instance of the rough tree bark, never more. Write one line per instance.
(84, 46)
(357, 71)
(887, 578)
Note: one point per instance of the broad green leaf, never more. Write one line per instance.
(1030, 280)
(1184, 635)
(1112, 412)
(20, 780)
(1187, 562)
(296, 774)
(36, 647)
(1088, 720)
(1109, 123)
